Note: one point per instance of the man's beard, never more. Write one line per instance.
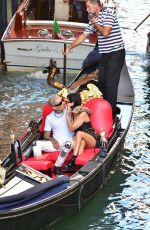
(91, 15)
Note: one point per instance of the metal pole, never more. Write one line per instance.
(3, 16)
(141, 22)
(65, 60)
(3, 23)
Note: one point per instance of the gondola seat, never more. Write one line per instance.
(101, 117)
(86, 156)
(48, 156)
(42, 165)
(46, 161)
(46, 111)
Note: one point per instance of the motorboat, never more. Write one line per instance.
(37, 32)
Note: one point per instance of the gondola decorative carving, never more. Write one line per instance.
(53, 70)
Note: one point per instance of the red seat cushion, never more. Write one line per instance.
(46, 111)
(101, 115)
(46, 156)
(38, 165)
(51, 156)
(86, 156)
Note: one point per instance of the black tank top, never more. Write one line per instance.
(87, 128)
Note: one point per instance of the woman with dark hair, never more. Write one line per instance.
(85, 137)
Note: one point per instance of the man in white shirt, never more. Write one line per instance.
(56, 123)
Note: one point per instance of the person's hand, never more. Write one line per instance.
(94, 20)
(66, 51)
(55, 144)
(69, 107)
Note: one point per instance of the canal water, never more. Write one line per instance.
(124, 201)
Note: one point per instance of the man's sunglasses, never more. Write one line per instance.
(59, 104)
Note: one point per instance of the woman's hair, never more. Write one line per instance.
(74, 98)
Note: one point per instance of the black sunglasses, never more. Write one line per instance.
(59, 104)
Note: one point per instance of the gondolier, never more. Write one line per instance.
(110, 44)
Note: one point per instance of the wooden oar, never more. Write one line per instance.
(141, 22)
(65, 61)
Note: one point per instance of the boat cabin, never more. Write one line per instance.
(64, 10)
(45, 10)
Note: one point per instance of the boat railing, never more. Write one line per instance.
(61, 23)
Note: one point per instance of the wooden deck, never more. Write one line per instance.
(33, 32)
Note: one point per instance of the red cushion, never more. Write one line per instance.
(51, 156)
(101, 115)
(46, 111)
(46, 156)
(38, 165)
(87, 155)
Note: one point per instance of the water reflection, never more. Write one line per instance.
(22, 97)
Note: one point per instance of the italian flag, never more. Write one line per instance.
(56, 30)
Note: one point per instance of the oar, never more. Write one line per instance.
(82, 71)
(141, 22)
(65, 61)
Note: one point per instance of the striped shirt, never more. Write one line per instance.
(114, 41)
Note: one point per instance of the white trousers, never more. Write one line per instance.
(48, 147)
(42, 146)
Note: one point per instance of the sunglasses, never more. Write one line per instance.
(59, 104)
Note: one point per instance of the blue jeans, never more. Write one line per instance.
(91, 62)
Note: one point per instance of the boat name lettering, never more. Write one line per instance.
(40, 48)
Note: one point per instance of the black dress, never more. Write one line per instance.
(87, 128)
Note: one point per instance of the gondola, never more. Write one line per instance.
(32, 196)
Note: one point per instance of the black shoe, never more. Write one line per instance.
(72, 162)
(58, 171)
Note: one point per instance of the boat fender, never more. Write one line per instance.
(67, 33)
(43, 32)
(19, 152)
(79, 197)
